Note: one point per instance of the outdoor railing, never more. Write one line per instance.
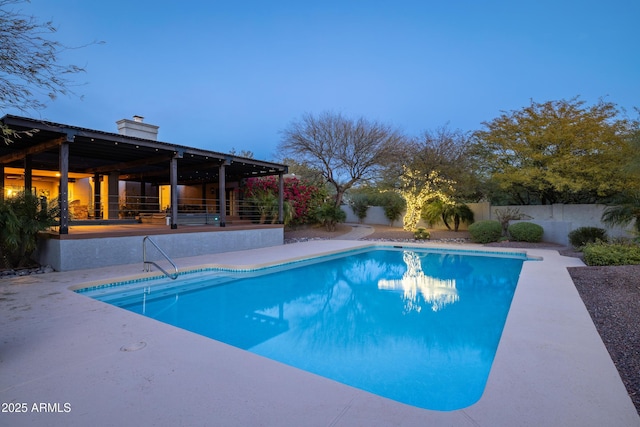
(132, 207)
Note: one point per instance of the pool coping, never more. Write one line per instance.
(249, 268)
(551, 367)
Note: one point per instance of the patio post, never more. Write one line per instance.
(113, 195)
(28, 173)
(173, 178)
(142, 205)
(222, 190)
(203, 195)
(96, 196)
(281, 198)
(63, 197)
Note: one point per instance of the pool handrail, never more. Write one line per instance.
(147, 264)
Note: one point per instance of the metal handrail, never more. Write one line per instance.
(146, 264)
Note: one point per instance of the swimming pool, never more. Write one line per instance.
(420, 327)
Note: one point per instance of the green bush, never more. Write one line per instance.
(525, 232)
(360, 206)
(583, 235)
(393, 204)
(421, 234)
(329, 215)
(601, 253)
(21, 219)
(485, 231)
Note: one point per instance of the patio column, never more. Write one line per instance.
(113, 195)
(203, 193)
(222, 190)
(28, 173)
(281, 198)
(63, 197)
(96, 196)
(142, 205)
(173, 180)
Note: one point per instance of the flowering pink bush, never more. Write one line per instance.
(304, 197)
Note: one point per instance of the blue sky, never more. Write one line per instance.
(220, 75)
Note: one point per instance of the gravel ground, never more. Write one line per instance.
(611, 294)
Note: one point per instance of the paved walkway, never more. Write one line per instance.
(358, 231)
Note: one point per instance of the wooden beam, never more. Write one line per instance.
(35, 149)
(128, 165)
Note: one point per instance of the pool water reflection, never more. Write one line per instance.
(418, 327)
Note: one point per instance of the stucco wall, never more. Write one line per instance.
(557, 220)
(75, 254)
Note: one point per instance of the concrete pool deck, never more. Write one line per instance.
(74, 361)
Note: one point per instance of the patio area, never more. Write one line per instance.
(87, 361)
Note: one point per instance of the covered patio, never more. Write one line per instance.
(129, 184)
(97, 176)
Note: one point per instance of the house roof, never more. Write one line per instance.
(137, 159)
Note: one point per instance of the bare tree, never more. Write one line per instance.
(30, 67)
(345, 151)
(242, 153)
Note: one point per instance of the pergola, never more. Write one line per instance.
(69, 149)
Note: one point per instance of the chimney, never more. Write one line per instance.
(137, 128)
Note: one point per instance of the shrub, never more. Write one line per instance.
(485, 231)
(583, 235)
(421, 234)
(525, 232)
(601, 253)
(304, 197)
(393, 204)
(509, 214)
(21, 219)
(329, 215)
(360, 206)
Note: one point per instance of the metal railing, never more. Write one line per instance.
(112, 207)
(147, 264)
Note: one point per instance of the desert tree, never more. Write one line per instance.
(555, 152)
(438, 177)
(31, 70)
(624, 208)
(345, 151)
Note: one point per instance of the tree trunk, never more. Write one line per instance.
(444, 219)
(339, 195)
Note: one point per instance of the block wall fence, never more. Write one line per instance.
(557, 220)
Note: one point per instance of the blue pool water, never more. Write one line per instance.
(415, 326)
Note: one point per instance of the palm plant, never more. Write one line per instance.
(265, 204)
(434, 211)
(624, 210)
(461, 213)
(438, 210)
(22, 217)
(329, 215)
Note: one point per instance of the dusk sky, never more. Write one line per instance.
(221, 75)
